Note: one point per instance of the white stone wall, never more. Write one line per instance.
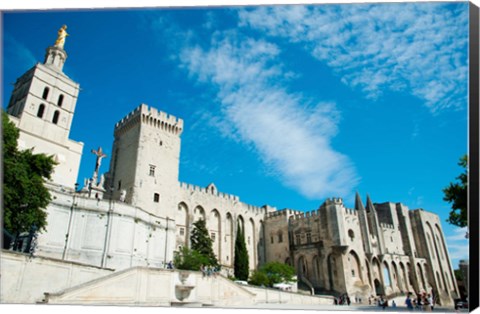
(105, 233)
(25, 279)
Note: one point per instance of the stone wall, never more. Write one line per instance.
(105, 233)
(25, 279)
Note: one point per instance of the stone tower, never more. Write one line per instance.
(42, 106)
(145, 161)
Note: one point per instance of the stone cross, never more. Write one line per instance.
(99, 153)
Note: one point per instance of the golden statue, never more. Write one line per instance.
(62, 34)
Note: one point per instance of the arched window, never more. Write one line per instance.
(60, 100)
(41, 110)
(45, 93)
(56, 115)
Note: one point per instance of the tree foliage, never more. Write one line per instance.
(202, 243)
(188, 259)
(456, 193)
(240, 264)
(272, 273)
(25, 195)
(458, 274)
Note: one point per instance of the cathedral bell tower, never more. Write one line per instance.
(42, 106)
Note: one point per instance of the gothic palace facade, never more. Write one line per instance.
(371, 249)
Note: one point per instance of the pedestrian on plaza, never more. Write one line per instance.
(418, 304)
(408, 302)
(425, 305)
(430, 302)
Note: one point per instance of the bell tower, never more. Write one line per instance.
(42, 106)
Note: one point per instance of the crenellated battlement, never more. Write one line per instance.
(283, 212)
(213, 192)
(334, 201)
(387, 226)
(351, 212)
(152, 117)
(206, 190)
(306, 215)
(131, 119)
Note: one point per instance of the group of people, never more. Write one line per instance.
(208, 271)
(344, 299)
(381, 302)
(423, 302)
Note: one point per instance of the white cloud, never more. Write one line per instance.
(291, 134)
(458, 245)
(417, 47)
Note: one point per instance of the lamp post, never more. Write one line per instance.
(67, 236)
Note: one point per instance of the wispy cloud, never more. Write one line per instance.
(291, 134)
(419, 48)
(458, 245)
(17, 51)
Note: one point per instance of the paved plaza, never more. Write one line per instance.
(343, 308)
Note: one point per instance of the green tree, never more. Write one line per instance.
(202, 243)
(240, 263)
(272, 273)
(456, 193)
(458, 274)
(188, 259)
(24, 193)
(259, 278)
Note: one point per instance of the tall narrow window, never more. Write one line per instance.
(60, 100)
(152, 171)
(56, 115)
(156, 197)
(45, 93)
(41, 110)
(280, 237)
(309, 237)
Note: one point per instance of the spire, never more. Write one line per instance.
(358, 202)
(56, 56)
(370, 207)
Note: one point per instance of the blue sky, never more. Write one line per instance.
(283, 105)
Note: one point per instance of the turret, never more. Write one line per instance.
(362, 216)
(374, 223)
(145, 160)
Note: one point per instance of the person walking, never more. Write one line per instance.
(408, 303)
(430, 302)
